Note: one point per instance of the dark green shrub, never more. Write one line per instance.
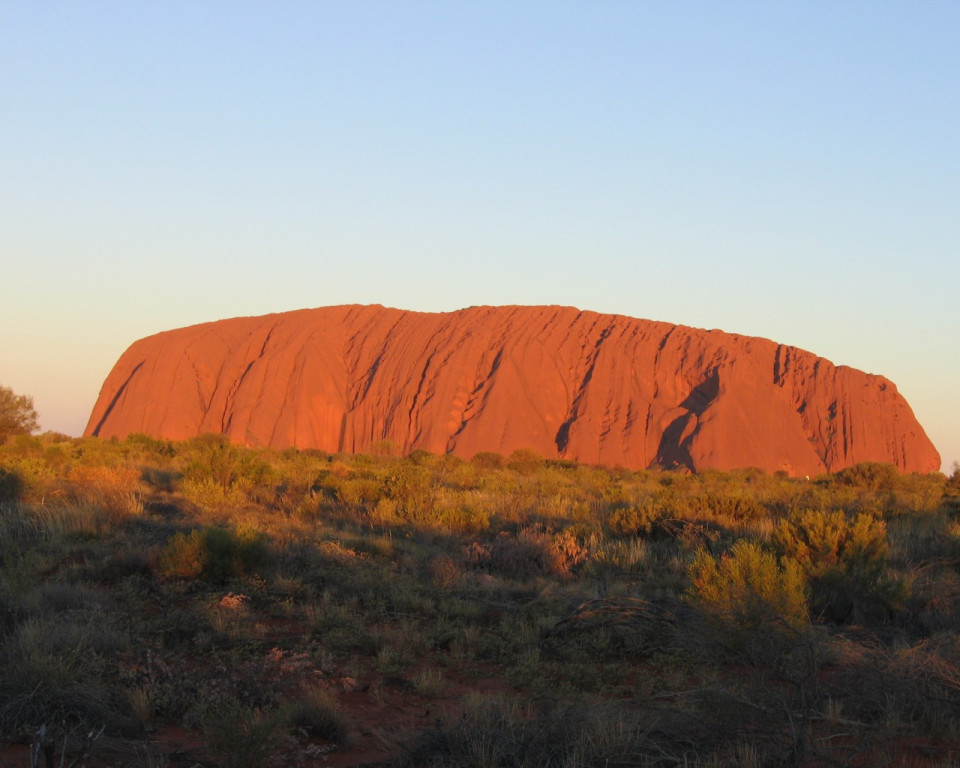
(870, 474)
(318, 714)
(214, 554)
(243, 736)
(221, 555)
(11, 485)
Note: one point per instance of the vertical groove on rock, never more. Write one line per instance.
(226, 419)
(95, 432)
(563, 434)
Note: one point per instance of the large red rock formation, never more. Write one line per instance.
(576, 385)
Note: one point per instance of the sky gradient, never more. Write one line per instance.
(785, 170)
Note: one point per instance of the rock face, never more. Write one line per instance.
(567, 384)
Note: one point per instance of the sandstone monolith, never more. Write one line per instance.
(565, 383)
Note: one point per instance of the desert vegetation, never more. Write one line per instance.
(196, 603)
(17, 414)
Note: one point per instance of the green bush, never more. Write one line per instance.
(214, 458)
(845, 563)
(748, 589)
(729, 506)
(410, 489)
(636, 520)
(870, 474)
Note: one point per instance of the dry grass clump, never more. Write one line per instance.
(54, 670)
(116, 489)
(318, 714)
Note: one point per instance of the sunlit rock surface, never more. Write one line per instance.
(565, 383)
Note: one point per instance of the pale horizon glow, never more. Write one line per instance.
(788, 170)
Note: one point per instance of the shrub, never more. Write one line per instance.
(534, 551)
(638, 520)
(243, 736)
(11, 485)
(463, 518)
(748, 589)
(319, 715)
(845, 563)
(732, 506)
(411, 489)
(869, 474)
(357, 492)
(183, 555)
(214, 458)
(812, 538)
(419, 456)
(525, 462)
(214, 554)
(522, 556)
(210, 495)
(35, 474)
(488, 460)
(569, 551)
(53, 673)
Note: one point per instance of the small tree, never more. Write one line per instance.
(17, 414)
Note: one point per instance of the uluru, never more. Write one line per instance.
(567, 384)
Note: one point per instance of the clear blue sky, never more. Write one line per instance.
(788, 170)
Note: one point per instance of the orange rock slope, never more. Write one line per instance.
(575, 385)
